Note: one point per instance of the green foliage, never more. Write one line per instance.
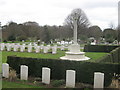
(110, 35)
(22, 37)
(109, 38)
(46, 35)
(11, 38)
(57, 83)
(83, 38)
(113, 57)
(84, 70)
(99, 48)
(108, 64)
(118, 34)
(95, 31)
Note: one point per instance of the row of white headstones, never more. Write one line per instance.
(70, 76)
(21, 48)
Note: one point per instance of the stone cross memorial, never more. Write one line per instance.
(75, 53)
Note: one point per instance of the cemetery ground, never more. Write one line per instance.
(32, 83)
(36, 82)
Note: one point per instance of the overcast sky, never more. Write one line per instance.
(54, 12)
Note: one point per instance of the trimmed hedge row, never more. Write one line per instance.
(99, 48)
(84, 70)
(113, 57)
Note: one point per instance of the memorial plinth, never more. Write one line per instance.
(75, 54)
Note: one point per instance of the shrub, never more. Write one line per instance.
(57, 83)
(113, 57)
(12, 75)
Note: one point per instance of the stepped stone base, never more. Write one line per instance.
(75, 54)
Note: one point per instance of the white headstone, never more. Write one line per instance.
(5, 70)
(93, 43)
(15, 48)
(70, 42)
(54, 50)
(98, 80)
(22, 48)
(8, 47)
(42, 47)
(62, 48)
(37, 49)
(58, 42)
(45, 50)
(2, 46)
(24, 72)
(12, 45)
(23, 40)
(46, 75)
(70, 78)
(29, 48)
(48, 46)
(62, 42)
(66, 42)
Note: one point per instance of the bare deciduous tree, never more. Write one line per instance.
(82, 20)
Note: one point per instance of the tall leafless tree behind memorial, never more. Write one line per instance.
(82, 21)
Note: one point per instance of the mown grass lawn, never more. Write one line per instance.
(6, 84)
(93, 55)
(33, 55)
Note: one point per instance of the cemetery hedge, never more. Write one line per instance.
(84, 70)
(99, 48)
(112, 57)
(108, 65)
